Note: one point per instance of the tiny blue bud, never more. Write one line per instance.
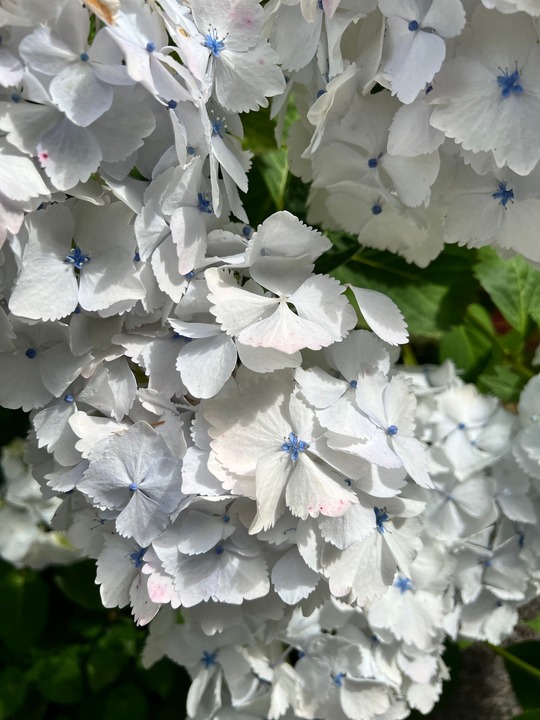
(69, 398)
(84, 57)
(413, 25)
(31, 353)
(226, 518)
(376, 209)
(150, 47)
(373, 162)
(391, 430)
(133, 486)
(172, 104)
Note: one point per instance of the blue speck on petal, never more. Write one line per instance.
(150, 47)
(190, 275)
(391, 430)
(208, 659)
(219, 549)
(413, 25)
(337, 679)
(77, 258)
(509, 83)
(461, 426)
(213, 44)
(136, 557)
(376, 209)
(31, 353)
(246, 230)
(190, 150)
(69, 398)
(133, 486)
(172, 104)
(84, 57)
(503, 194)
(226, 518)
(320, 93)
(381, 516)
(372, 162)
(404, 584)
(16, 98)
(136, 257)
(294, 446)
(353, 384)
(205, 204)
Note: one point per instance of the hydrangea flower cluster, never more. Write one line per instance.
(214, 429)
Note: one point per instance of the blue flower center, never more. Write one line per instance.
(172, 104)
(413, 25)
(391, 430)
(16, 98)
(294, 446)
(246, 230)
(226, 518)
(133, 486)
(381, 516)
(376, 209)
(509, 83)
(372, 162)
(31, 353)
(137, 557)
(212, 43)
(69, 398)
(337, 679)
(205, 204)
(503, 194)
(150, 47)
(353, 384)
(404, 584)
(77, 258)
(208, 659)
(84, 57)
(219, 549)
(218, 127)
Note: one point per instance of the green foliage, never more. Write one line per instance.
(522, 662)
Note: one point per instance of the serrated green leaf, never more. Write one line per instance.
(431, 299)
(275, 172)
(470, 344)
(503, 382)
(513, 285)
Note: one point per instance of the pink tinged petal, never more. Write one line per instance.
(143, 608)
(382, 315)
(80, 95)
(313, 490)
(292, 579)
(19, 178)
(243, 80)
(205, 364)
(69, 154)
(115, 572)
(241, 21)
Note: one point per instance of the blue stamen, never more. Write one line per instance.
(413, 25)
(16, 98)
(218, 127)
(353, 384)
(391, 430)
(219, 549)
(213, 44)
(381, 516)
(69, 398)
(136, 557)
(172, 104)
(294, 446)
(376, 209)
(509, 83)
(31, 353)
(190, 150)
(337, 678)
(136, 257)
(133, 486)
(372, 162)
(503, 194)
(461, 426)
(150, 47)
(226, 518)
(84, 57)
(246, 230)
(404, 584)
(77, 258)
(205, 204)
(208, 659)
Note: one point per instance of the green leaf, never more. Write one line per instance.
(513, 286)
(431, 299)
(503, 382)
(258, 132)
(275, 172)
(24, 603)
(534, 623)
(77, 582)
(59, 675)
(470, 344)
(12, 691)
(522, 662)
(104, 666)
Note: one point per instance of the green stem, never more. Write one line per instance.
(535, 672)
